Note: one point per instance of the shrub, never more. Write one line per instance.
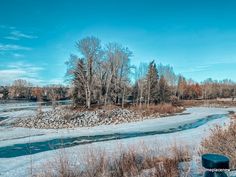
(152, 109)
(223, 141)
(128, 163)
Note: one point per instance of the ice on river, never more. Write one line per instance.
(19, 166)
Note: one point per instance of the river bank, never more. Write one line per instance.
(152, 132)
(66, 117)
(22, 149)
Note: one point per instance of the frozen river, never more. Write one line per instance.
(19, 147)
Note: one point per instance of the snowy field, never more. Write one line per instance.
(20, 166)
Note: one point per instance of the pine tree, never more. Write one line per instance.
(152, 83)
(5, 93)
(135, 92)
(181, 87)
(164, 90)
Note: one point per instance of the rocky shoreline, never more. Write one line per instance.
(62, 117)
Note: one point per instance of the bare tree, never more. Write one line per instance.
(83, 70)
(168, 73)
(21, 89)
(90, 48)
(118, 70)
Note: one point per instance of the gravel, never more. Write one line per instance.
(66, 118)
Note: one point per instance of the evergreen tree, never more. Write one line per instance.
(181, 87)
(135, 92)
(164, 90)
(152, 83)
(5, 93)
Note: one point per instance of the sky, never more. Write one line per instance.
(196, 37)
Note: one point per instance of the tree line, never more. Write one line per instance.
(22, 90)
(103, 74)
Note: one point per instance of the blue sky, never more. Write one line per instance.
(197, 37)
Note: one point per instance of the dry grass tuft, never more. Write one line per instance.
(233, 116)
(128, 163)
(208, 103)
(164, 108)
(223, 141)
(146, 110)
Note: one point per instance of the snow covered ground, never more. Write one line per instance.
(20, 166)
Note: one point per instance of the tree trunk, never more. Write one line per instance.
(141, 96)
(149, 90)
(123, 98)
(105, 99)
(88, 96)
(89, 99)
(107, 90)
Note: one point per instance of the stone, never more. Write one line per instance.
(215, 161)
(67, 118)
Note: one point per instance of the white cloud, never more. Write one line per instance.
(20, 70)
(17, 55)
(11, 37)
(11, 72)
(9, 47)
(7, 27)
(16, 35)
(22, 35)
(26, 71)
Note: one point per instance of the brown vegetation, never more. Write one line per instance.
(233, 116)
(127, 163)
(160, 109)
(144, 109)
(210, 103)
(152, 108)
(23, 90)
(222, 140)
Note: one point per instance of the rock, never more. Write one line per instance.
(65, 118)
